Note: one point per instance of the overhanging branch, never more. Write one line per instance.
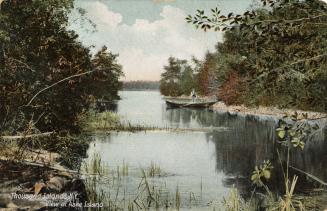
(58, 82)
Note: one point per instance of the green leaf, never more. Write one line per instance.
(281, 134)
(254, 177)
(266, 174)
(292, 133)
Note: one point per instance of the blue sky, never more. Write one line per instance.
(146, 32)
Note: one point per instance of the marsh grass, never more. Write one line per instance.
(234, 202)
(95, 122)
(95, 166)
(107, 186)
(92, 121)
(151, 196)
(104, 120)
(177, 199)
(154, 170)
(124, 169)
(314, 202)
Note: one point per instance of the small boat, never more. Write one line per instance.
(191, 104)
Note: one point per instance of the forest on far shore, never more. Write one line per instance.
(141, 85)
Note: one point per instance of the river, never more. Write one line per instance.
(214, 152)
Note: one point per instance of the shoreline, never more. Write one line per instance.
(38, 179)
(44, 174)
(38, 182)
(256, 111)
(267, 111)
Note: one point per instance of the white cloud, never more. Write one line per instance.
(101, 15)
(145, 46)
(141, 66)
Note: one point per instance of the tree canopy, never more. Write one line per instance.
(178, 78)
(271, 55)
(39, 52)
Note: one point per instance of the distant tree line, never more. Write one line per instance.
(141, 85)
(47, 77)
(269, 56)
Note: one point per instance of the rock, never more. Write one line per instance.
(24, 204)
(4, 200)
(38, 187)
(57, 184)
(77, 185)
(12, 205)
(39, 180)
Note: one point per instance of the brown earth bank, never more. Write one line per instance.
(41, 184)
(25, 187)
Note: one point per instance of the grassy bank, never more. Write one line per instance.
(103, 122)
(93, 122)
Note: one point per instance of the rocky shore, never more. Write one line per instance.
(269, 111)
(256, 111)
(36, 185)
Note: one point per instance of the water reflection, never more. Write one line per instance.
(211, 158)
(185, 117)
(249, 141)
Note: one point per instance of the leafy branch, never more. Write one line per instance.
(253, 19)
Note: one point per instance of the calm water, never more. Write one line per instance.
(203, 165)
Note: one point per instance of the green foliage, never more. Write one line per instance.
(295, 133)
(262, 171)
(37, 51)
(105, 80)
(175, 81)
(281, 55)
(292, 132)
(93, 121)
(180, 77)
(291, 127)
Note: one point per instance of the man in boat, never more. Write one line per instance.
(193, 94)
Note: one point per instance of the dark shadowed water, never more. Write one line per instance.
(204, 164)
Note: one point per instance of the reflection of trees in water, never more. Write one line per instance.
(251, 140)
(186, 117)
(248, 142)
(196, 117)
(314, 156)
